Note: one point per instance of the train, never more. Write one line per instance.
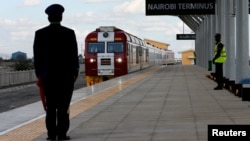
(111, 52)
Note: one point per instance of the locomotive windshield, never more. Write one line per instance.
(96, 47)
(115, 47)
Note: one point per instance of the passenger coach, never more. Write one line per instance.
(111, 52)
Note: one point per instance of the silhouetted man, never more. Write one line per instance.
(56, 66)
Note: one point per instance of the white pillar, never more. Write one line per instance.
(222, 20)
(206, 41)
(198, 46)
(230, 70)
(203, 47)
(213, 31)
(209, 43)
(242, 40)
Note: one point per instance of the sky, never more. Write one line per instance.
(19, 19)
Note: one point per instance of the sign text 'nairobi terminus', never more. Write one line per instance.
(180, 7)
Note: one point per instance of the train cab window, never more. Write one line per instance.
(96, 47)
(115, 47)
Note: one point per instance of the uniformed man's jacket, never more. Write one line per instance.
(55, 52)
(223, 54)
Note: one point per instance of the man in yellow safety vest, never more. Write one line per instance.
(220, 57)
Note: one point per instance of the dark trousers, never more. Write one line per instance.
(58, 98)
(219, 74)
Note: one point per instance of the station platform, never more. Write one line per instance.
(167, 103)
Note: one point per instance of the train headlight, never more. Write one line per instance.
(119, 60)
(105, 34)
(92, 60)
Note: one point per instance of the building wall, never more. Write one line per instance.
(188, 58)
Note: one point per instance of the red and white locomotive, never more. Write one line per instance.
(111, 52)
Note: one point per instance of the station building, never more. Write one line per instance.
(188, 57)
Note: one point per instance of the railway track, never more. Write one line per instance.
(17, 96)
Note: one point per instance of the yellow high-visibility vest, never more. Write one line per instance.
(223, 54)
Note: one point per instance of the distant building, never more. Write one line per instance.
(188, 57)
(157, 44)
(18, 56)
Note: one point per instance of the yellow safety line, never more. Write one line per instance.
(37, 128)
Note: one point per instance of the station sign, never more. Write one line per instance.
(185, 36)
(180, 7)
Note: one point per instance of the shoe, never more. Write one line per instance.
(51, 138)
(64, 138)
(218, 88)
